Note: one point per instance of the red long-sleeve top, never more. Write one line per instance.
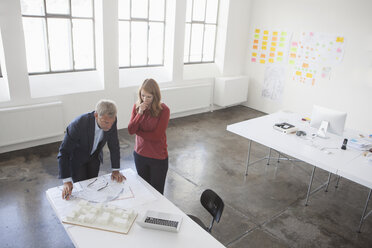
(151, 139)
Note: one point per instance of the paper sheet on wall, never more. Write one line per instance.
(274, 82)
(314, 52)
(270, 46)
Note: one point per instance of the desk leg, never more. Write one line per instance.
(248, 157)
(338, 179)
(310, 183)
(364, 216)
(268, 159)
(329, 179)
(278, 157)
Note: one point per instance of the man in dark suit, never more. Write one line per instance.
(80, 153)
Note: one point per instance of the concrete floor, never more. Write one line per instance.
(265, 209)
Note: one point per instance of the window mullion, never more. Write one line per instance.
(130, 33)
(47, 38)
(205, 14)
(94, 35)
(148, 32)
(192, 12)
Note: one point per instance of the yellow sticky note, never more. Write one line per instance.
(265, 38)
(263, 48)
(340, 39)
(273, 43)
(272, 49)
(266, 32)
(262, 61)
(280, 53)
(309, 75)
(264, 43)
(271, 60)
(275, 33)
(254, 54)
(298, 73)
(257, 31)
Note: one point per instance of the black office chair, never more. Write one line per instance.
(213, 204)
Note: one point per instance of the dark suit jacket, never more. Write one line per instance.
(78, 142)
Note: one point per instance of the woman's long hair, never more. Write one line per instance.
(151, 87)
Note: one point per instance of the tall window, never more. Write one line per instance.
(59, 35)
(141, 33)
(200, 31)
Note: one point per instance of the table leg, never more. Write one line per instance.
(278, 157)
(364, 211)
(329, 179)
(310, 183)
(268, 159)
(338, 179)
(248, 157)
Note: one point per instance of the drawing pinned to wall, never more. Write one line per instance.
(318, 52)
(270, 46)
(326, 72)
(273, 86)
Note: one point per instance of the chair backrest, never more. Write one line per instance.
(213, 204)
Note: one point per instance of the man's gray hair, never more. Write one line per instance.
(106, 107)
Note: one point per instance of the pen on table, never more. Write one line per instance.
(65, 197)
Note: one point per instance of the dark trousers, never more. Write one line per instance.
(86, 171)
(153, 171)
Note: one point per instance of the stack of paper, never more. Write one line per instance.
(361, 144)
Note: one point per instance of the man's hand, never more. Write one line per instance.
(67, 190)
(117, 176)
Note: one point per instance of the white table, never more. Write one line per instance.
(318, 152)
(190, 234)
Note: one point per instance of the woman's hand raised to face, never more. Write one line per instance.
(142, 107)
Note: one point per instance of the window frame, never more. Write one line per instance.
(148, 21)
(70, 18)
(204, 23)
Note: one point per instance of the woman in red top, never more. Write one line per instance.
(149, 122)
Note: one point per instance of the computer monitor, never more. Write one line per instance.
(336, 119)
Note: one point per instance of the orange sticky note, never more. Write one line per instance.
(254, 54)
(309, 75)
(280, 53)
(272, 54)
(263, 55)
(255, 41)
(298, 73)
(293, 55)
(272, 49)
(340, 39)
(262, 61)
(266, 32)
(271, 60)
(265, 38)
(257, 31)
(275, 38)
(304, 65)
(255, 47)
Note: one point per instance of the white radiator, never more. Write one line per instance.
(187, 98)
(28, 123)
(230, 90)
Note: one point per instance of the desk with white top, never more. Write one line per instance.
(190, 233)
(318, 152)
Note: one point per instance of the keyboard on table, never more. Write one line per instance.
(161, 221)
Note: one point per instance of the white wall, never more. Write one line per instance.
(79, 92)
(350, 86)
